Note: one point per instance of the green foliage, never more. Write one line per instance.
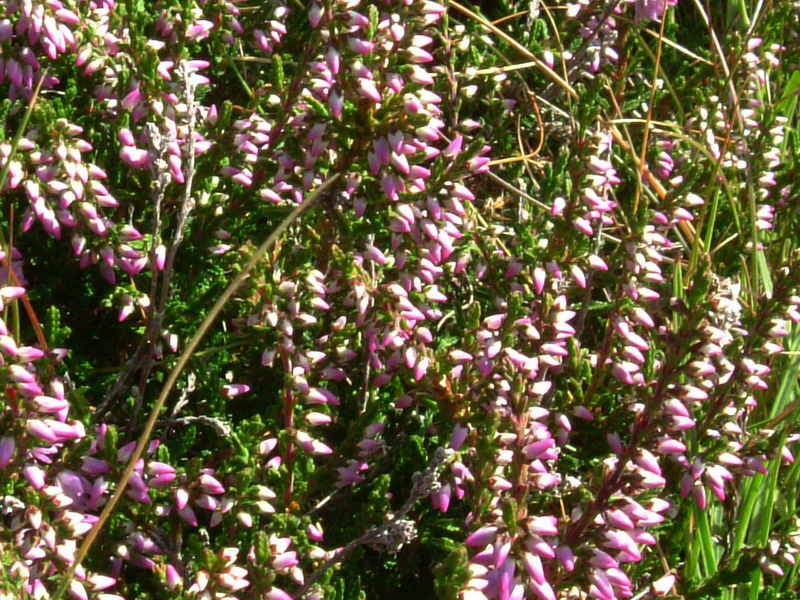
(521, 251)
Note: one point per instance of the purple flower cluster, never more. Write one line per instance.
(407, 302)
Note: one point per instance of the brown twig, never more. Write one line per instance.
(517, 46)
(653, 86)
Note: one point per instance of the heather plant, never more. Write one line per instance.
(353, 299)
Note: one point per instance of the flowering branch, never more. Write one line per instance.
(144, 438)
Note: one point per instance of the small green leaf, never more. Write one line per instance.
(278, 77)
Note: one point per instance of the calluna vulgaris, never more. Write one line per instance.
(535, 338)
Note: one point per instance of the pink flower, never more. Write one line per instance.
(316, 419)
(432, 8)
(277, 594)
(210, 485)
(173, 578)
(315, 13)
(133, 99)
(101, 582)
(367, 88)
(543, 590)
(481, 537)
(651, 9)
(360, 46)
(418, 55)
(662, 586)
(376, 255)
(314, 532)
(200, 30)
(34, 475)
(188, 515)
(543, 525)
(133, 156)
(235, 389)
(40, 430)
(440, 499)
(77, 590)
(7, 446)
(566, 557)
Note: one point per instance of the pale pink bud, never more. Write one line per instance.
(559, 204)
(40, 430)
(181, 498)
(699, 493)
(432, 8)
(441, 498)
(494, 322)
(690, 392)
(756, 465)
(235, 389)
(133, 156)
(173, 578)
(360, 46)
(418, 55)
(643, 317)
(376, 255)
(533, 566)
(50, 405)
(543, 590)
(126, 137)
(458, 437)
(543, 525)
(314, 532)
(462, 192)
(539, 276)
(421, 368)
(618, 518)
(419, 75)
(210, 484)
(199, 30)
(578, 276)
(133, 98)
(333, 59)
(267, 446)
(481, 537)
(7, 446)
(11, 292)
(101, 582)
(566, 557)
(770, 568)
(34, 475)
(188, 515)
(668, 446)
(316, 418)
(77, 590)
(615, 443)
(277, 594)
(367, 88)
(583, 225)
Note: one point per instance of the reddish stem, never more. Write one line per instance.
(28, 307)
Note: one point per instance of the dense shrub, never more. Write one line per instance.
(342, 299)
